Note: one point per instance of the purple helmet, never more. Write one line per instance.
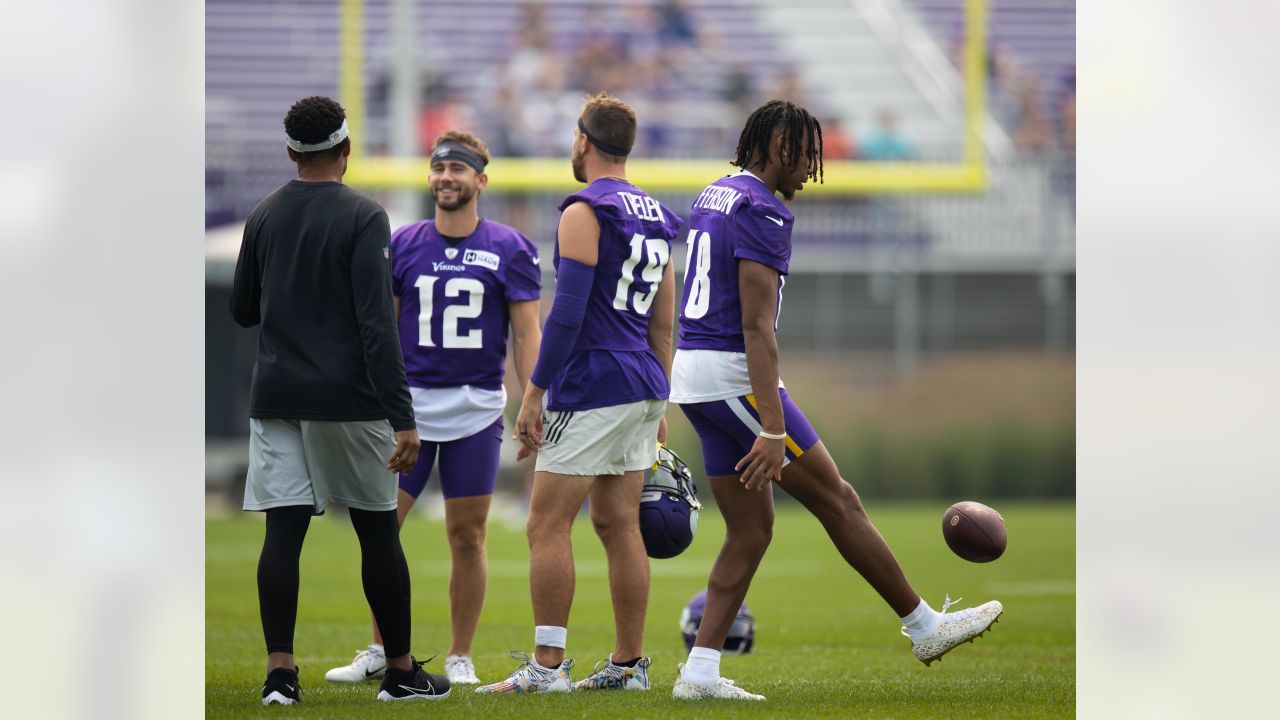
(668, 506)
(742, 634)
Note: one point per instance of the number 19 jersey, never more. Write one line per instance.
(611, 362)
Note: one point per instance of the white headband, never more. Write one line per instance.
(334, 138)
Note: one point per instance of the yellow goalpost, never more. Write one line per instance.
(842, 177)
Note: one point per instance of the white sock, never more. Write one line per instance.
(377, 649)
(703, 665)
(922, 621)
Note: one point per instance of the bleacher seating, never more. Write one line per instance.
(1041, 34)
(260, 57)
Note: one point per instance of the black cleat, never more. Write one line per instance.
(282, 687)
(414, 684)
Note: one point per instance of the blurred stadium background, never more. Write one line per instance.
(928, 325)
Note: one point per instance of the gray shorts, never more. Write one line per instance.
(309, 462)
(604, 441)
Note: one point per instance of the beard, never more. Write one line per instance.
(464, 196)
(579, 163)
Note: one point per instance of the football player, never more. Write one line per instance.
(603, 368)
(331, 419)
(459, 281)
(725, 379)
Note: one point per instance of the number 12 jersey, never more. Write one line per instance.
(453, 301)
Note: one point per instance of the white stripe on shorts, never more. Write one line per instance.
(740, 408)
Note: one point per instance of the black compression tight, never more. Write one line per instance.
(386, 576)
(383, 569)
(278, 574)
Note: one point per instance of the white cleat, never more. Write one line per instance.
(460, 670)
(532, 678)
(719, 689)
(957, 627)
(370, 663)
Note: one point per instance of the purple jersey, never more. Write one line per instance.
(734, 217)
(611, 362)
(453, 300)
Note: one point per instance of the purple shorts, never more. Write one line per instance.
(728, 428)
(468, 466)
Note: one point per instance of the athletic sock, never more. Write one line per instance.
(703, 665)
(630, 663)
(922, 621)
(549, 636)
(386, 576)
(278, 574)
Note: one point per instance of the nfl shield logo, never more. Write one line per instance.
(451, 253)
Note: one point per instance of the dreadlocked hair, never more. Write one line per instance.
(795, 123)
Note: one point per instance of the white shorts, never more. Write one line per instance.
(603, 441)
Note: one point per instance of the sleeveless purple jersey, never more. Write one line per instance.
(453, 300)
(611, 362)
(734, 217)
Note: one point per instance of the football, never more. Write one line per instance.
(974, 531)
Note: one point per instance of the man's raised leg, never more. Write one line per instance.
(814, 480)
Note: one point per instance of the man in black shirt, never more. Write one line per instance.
(313, 271)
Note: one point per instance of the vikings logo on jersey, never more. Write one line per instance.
(453, 300)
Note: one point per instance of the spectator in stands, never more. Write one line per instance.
(1067, 112)
(788, 86)
(739, 89)
(532, 55)
(1033, 135)
(676, 26)
(507, 138)
(837, 143)
(440, 111)
(1004, 77)
(639, 34)
(886, 142)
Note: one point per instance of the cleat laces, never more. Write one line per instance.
(946, 605)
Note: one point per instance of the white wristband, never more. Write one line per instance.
(771, 436)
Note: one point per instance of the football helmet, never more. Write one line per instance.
(742, 634)
(668, 506)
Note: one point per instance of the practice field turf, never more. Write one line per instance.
(827, 646)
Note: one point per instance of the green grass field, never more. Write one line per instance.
(827, 646)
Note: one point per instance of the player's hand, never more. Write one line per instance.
(529, 427)
(406, 452)
(662, 431)
(763, 464)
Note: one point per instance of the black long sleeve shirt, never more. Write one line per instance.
(313, 270)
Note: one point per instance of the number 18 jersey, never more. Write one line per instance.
(734, 218)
